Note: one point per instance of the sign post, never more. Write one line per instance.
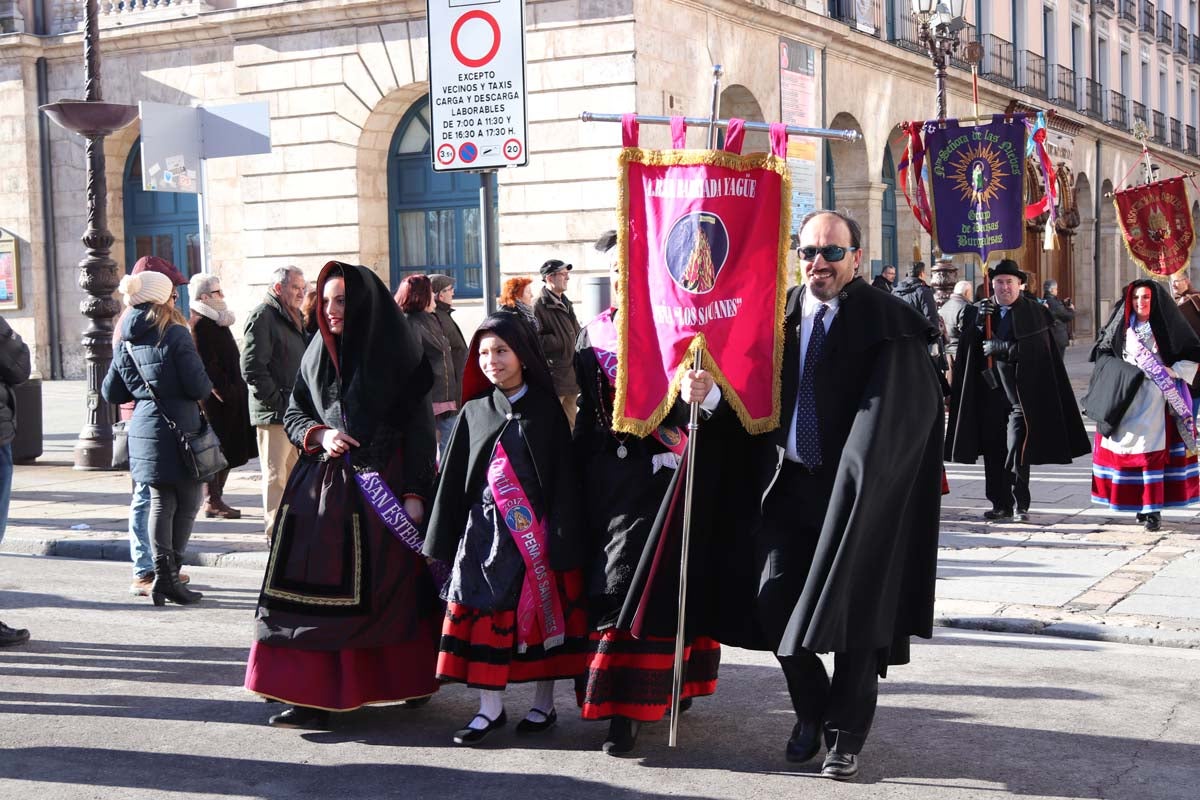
(477, 102)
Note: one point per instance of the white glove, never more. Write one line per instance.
(668, 460)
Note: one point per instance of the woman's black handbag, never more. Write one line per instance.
(120, 455)
(200, 452)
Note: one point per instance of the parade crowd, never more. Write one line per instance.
(442, 509)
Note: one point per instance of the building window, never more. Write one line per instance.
(433, 217)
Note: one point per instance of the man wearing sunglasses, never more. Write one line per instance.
(843, 498)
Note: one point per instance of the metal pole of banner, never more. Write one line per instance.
(202, 179)
(487, 232)
(792, 130)
(689, 482)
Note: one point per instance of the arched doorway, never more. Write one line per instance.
(889, 252)
(163, 224)
(1111, 252)
(433, 217)
(1083, 286)
(739, 102)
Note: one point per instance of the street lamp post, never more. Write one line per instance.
(938, 24)
(94, 119)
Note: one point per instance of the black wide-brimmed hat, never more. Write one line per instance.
(1008, 267)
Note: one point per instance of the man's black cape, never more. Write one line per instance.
(1056, 434)
(871, 584)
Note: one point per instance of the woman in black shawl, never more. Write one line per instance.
(1145, 454)
(506, 517)
(348, 613)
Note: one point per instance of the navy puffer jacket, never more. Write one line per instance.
(174, 368)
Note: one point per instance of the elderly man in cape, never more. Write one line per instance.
(844, 497)
(1011, 401)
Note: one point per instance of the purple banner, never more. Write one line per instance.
(976, 175)
(391, 511)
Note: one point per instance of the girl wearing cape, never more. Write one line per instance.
(348, 614)
(1145, 455)
(506, 516)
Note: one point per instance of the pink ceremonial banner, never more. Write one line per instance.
(702, 241)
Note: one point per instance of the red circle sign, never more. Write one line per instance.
(445, 153)
(513, 149)
(457, 29)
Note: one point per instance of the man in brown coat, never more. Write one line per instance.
(559, 331)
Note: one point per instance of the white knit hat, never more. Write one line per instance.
(145, 287)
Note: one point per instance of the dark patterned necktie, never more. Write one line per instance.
(808, 433)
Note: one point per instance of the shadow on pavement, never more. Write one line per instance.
(186, 665)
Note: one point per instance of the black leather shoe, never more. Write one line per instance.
(416, 702)
(302, 717)
(997, 514)
(10, 636)
(529, 726)
(473, 736)
(1154, 522)
(1021, 515)
(839, 766)
(622, 736)
(805, 741)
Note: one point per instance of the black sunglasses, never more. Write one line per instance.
(830, 252)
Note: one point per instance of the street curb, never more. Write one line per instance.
(118, 550)
(1187, 639)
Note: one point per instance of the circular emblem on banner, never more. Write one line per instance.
(670, 435)
(695, 251)
(518, 518)
(978, 173)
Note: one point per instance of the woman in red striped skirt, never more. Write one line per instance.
(1145, 455)
(506, 516)
(625, 478)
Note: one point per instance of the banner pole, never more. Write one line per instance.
(792, 130)
(689, 480)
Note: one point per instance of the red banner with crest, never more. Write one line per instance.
(702, 242)
(1156, 223)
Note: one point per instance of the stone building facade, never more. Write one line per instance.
(347, 177)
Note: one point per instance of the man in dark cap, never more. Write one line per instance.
(1011, 400)
(559, 331)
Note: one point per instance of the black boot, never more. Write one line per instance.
(167, 586)
(622, 736)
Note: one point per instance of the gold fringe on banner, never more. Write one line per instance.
(719, 158)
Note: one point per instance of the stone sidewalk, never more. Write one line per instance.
(1073, 570)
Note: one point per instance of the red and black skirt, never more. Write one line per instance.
(628, 677)
(479, 648)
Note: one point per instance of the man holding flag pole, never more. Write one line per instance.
(843, 553)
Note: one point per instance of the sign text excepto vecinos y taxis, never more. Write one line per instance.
(477, 84)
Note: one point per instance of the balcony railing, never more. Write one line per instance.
(1191, 140)
(1127, 11)
(1164, 27)
(1106, 5)
(1159, 130)
(1176, 134)
(1146, 19)
(1063, 86)
(1181, 40)
(905, 33)
(997, 60)
(1194, 56)
(965, 36)
(1092, 102)
(861, 15)
(1140, 114)
(1031, 73)
(1118, 111)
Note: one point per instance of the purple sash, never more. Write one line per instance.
(539, 613)
(1174, 391)
(603, 335)
(380, 497)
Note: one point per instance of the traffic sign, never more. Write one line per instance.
(477, 99)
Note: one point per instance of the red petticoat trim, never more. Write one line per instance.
(479, 648)
(633, 678)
